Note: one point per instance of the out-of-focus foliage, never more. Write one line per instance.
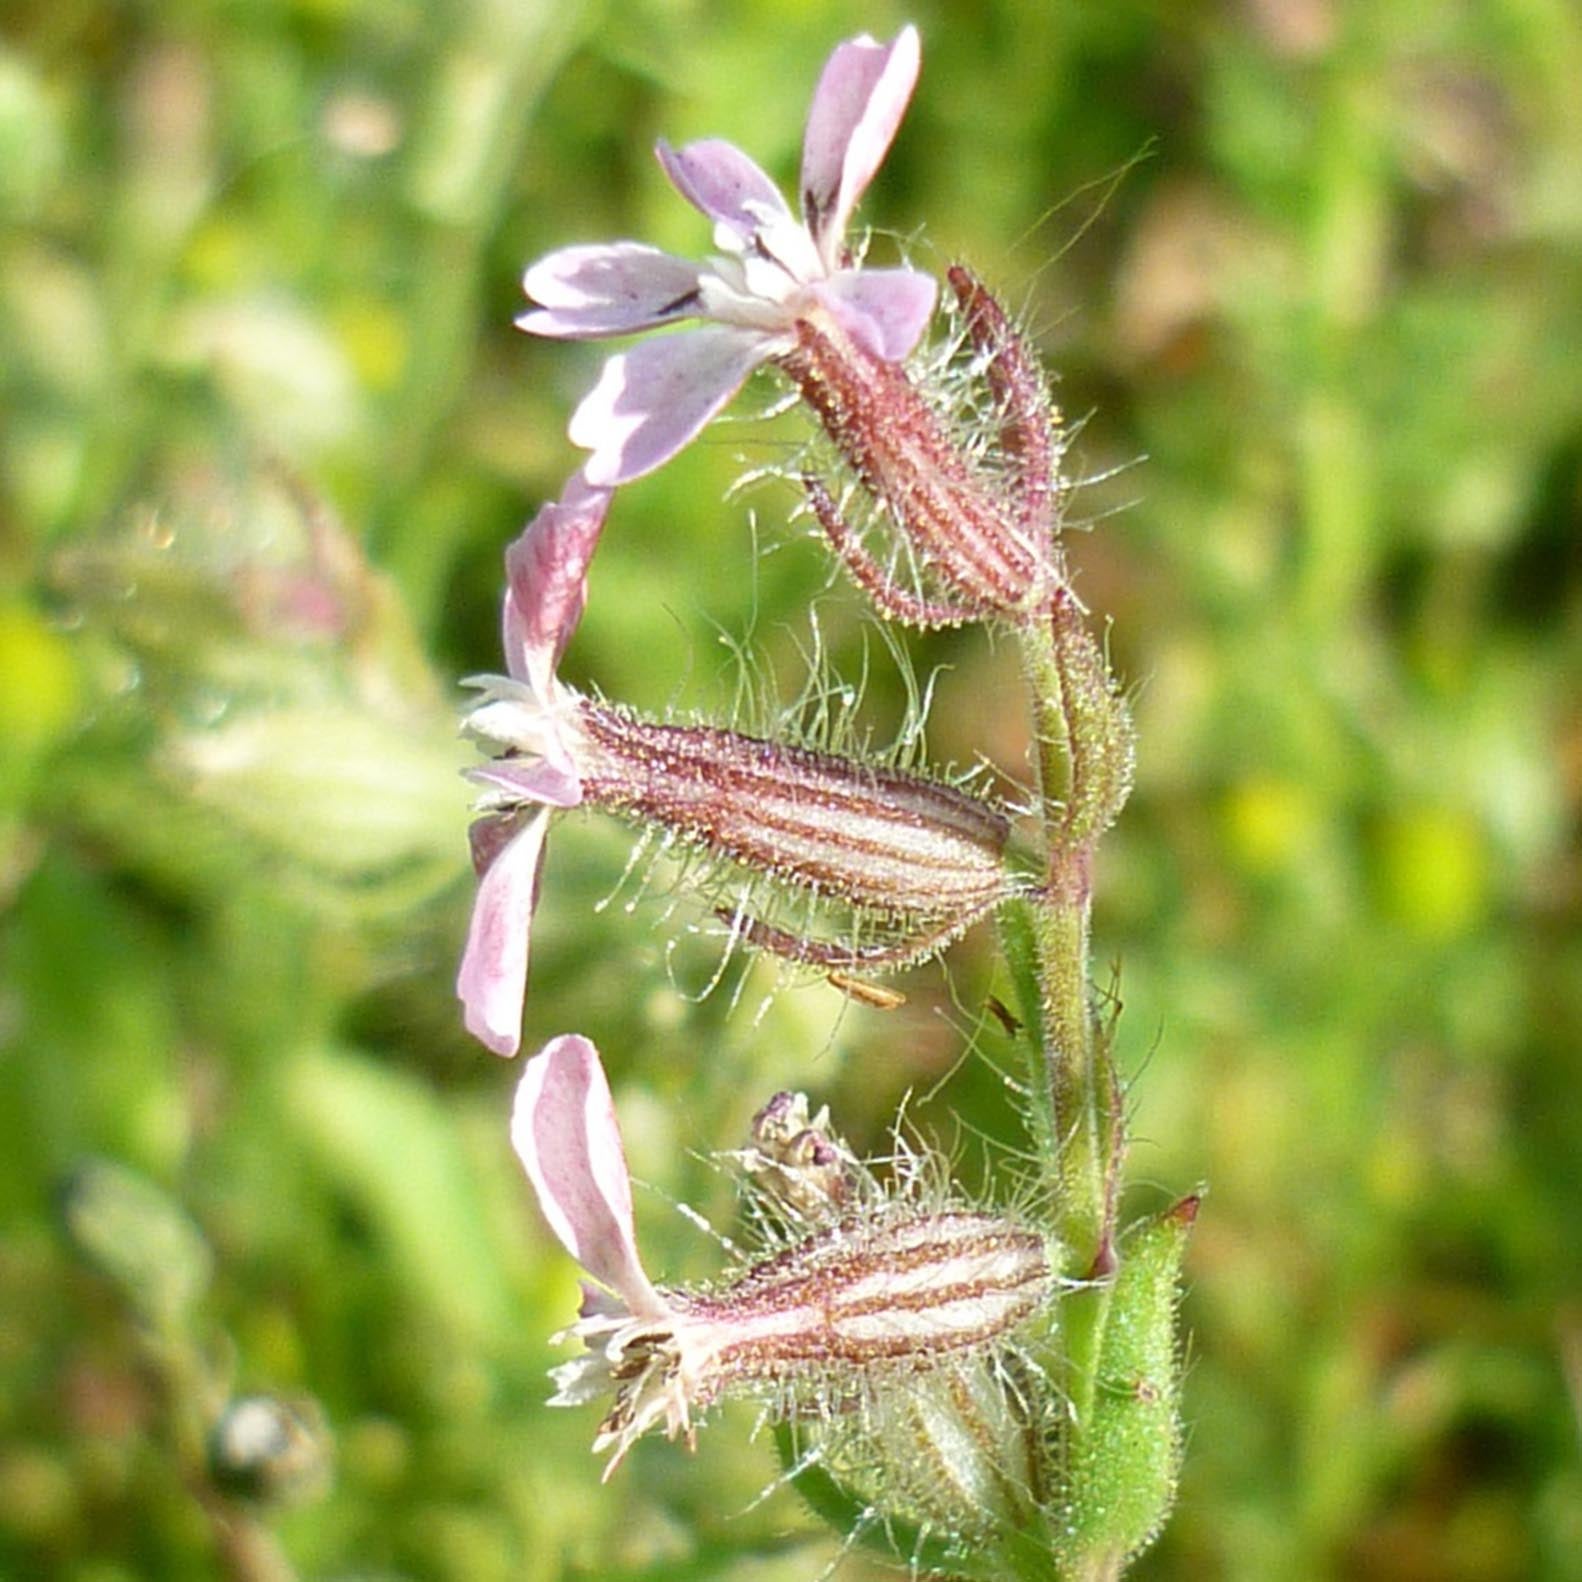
(266, 430)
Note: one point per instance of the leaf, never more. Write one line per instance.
(1120, 1475)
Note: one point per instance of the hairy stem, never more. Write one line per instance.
(1064, 1042)
(1083, 753)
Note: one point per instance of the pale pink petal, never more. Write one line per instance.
(884, 309)
(585, 292)
(527, 732)
(547, 582)
(564, 1131)
(856, 110)
(652, 399)
(492, 982)
(534, 781)
(718, 179)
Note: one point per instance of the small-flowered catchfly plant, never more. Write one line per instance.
(983, 1388)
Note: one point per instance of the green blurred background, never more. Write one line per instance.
(266, 429)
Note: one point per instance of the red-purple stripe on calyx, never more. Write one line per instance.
(992, 560)
(882, 840)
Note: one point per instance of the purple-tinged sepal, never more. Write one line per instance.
(1103, 739)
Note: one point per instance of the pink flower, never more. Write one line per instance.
(546, 571)
(774, 270)
(864, 1288)
(900, 863)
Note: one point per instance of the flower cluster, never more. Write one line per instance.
(895, 865)
(962, 1399)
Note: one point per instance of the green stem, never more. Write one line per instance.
(1084, 757)
(1063, 1036)
(1051, 729)
(1061, 927)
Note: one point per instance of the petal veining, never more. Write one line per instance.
(609, 289)
(856, 110)
(722, 182)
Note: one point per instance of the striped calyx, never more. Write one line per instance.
(894, 1332)
(906, 1289)
(899, 863)
(844, 1317)
(964, 542)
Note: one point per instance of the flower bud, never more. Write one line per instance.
(799, 1170)
(954, 1463)
(1099, 722)
(1030, 442)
